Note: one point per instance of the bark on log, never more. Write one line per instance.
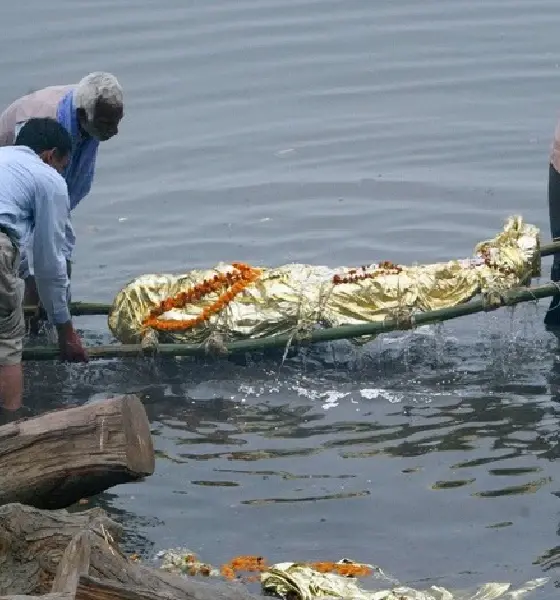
(44, 597)
(91, 588)
(53, 460)
(33, 543)
(73, 565)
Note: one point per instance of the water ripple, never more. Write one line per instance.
(332, 132)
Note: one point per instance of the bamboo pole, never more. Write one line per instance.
(550, 249)
(77, 309)
(511, 298)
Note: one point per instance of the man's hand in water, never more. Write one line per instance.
(70, 344)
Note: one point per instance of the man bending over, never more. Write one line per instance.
(34, 202)
(91, 111)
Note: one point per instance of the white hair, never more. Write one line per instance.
(95, 86)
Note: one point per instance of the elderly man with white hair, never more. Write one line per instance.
(91, 111)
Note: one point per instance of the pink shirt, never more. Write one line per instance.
(42, 103)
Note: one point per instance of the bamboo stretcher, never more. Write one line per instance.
(510, 298)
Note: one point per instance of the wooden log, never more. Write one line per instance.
(74, 564)
(43, 597)
(91, 588)
(34, 542)
(54, 460)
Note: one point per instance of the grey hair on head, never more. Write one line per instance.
(95, 86)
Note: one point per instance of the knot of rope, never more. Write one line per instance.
(150, 342)
(493, 299)
(215, 346)
(405, 319)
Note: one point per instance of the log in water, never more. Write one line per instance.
(54, 460)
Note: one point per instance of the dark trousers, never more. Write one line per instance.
(552, 317)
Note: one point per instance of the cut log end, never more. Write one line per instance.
(54, 460)
(140, 453)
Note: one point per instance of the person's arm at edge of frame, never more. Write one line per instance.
(51, 215)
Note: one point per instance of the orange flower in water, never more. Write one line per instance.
(252, 564)
(248, 564)
(227, 572)
(345, 569)
(239, 279)
(205, 571)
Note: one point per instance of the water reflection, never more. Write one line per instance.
(339, 444)
(133, 540)
(549, 560)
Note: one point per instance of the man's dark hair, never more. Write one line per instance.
(45, 133)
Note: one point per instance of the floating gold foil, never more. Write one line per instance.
(299, 582)
(297, 297)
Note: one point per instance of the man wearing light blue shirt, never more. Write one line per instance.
(34, 202)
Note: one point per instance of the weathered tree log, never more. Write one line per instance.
(74, 564)
(91, 588)
(34, 543)
(44, 597)
(53, 460)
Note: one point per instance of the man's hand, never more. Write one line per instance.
(70, 344)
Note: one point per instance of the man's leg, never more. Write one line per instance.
(552, 317)
(12, 326)
(11, 386)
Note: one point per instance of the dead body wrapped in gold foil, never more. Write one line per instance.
(293, 297)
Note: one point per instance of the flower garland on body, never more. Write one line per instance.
(355, 275)
(491, 262)
(234, 282)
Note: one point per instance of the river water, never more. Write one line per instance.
(332, 132)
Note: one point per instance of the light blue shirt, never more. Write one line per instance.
(34, 201)
(80, 171)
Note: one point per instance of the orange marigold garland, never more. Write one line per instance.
(257, 564)
(236, 281)
(355, 275)
(248, 567)
(489, 261)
